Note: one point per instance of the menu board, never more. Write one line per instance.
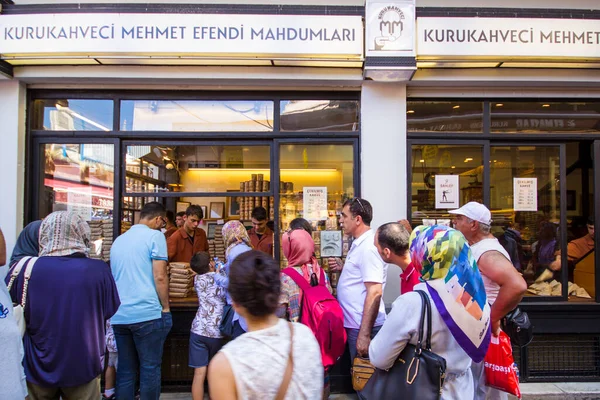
(525, 194)
(80, 203)
(315, 203)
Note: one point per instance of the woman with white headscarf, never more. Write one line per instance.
(69, 299)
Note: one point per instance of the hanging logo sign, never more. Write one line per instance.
(390, 28)
(293, 36)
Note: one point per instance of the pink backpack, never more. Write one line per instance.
(322, 313)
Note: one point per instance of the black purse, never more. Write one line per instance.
(226, 325)
(518, 327)
(418, 373)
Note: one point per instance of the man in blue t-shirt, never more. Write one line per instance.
(139, 265)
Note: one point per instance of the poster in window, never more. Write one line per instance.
(525, 194)
(315, 203)
(446, 191)
(331, 243)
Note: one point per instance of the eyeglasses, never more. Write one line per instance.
(359, 203)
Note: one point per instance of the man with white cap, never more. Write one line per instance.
(504, 286)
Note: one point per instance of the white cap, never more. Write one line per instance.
(475, 211)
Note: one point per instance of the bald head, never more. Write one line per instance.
(393, 236)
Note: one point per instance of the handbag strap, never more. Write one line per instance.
(17, 270)
(28, 272)
(287, 376)
(425, 314)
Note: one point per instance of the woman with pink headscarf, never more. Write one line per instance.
(299, 249)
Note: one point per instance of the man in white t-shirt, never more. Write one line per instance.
(362, 280)
(504, 286)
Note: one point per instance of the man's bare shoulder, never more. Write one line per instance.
(493, 257)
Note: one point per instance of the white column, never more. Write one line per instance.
(12, 161)
(383, 160)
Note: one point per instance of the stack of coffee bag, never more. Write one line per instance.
(181, 279)
(219, 245)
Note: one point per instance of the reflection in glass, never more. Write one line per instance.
(196, 116)
(540, 117)
(80, 178)
(431, 160)
(164, 168)
(532, 238)
(444, 116)
(319, 115)
(72, 115)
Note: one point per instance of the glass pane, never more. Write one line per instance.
(198, 169)
(80, 178)
(197, 116)
(326, 174)
(319, 115)
(522, 176)
(72, 115)
(541, 117)
(466, 161)
(444, 116)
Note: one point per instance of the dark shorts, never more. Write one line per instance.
(202, 350)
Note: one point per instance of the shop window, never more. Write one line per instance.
(315, 181)
(444, 116)
(196, 116)
(545, 116)
(430, 201)
(196, 169)
(80, 178)
(72, 115)
(319, 115)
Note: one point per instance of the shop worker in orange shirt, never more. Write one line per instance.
(189, 239)
(261, 236)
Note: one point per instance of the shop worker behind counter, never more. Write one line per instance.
(504, 286)
(139, 264)
(189, 239)
(261, 236)
(361, 283)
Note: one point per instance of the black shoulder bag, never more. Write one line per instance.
(418, 373)
(518, 327)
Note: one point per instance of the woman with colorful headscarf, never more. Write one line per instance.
(69, 299)
(237, 241)
(461, 316)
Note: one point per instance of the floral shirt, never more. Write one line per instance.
(211, 299)
(111, 343)
(291, 296)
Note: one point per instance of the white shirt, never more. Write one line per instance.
(363, 264)
(402, 327)
(478, 249)
(258, 360)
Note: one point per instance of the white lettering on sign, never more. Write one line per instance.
(508, 37)
(182, 34)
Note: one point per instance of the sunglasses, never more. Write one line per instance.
(359, 203)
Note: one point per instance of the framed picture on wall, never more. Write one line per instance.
(233, 206)
(182, 206)
(217, 210)
(204, 212)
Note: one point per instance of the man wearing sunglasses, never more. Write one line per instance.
(362, 280)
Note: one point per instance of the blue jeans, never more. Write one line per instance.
(352, 335)
(140, 347)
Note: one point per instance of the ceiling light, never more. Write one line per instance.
(545, 105)
(410, 112)
(499, 105)
(453, 167)
(468, 159)
(495, 160)
(456, 106)
(421, 161)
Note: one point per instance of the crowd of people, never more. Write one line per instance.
(83, 317)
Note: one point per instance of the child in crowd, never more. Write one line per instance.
(110, 375)
(205, 337)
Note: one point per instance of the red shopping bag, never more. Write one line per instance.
(500, 372)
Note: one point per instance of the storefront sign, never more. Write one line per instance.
(294, 36)
(525, 194)
(446, 191)
(508, 37)
(390, 28)
(315, 203)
